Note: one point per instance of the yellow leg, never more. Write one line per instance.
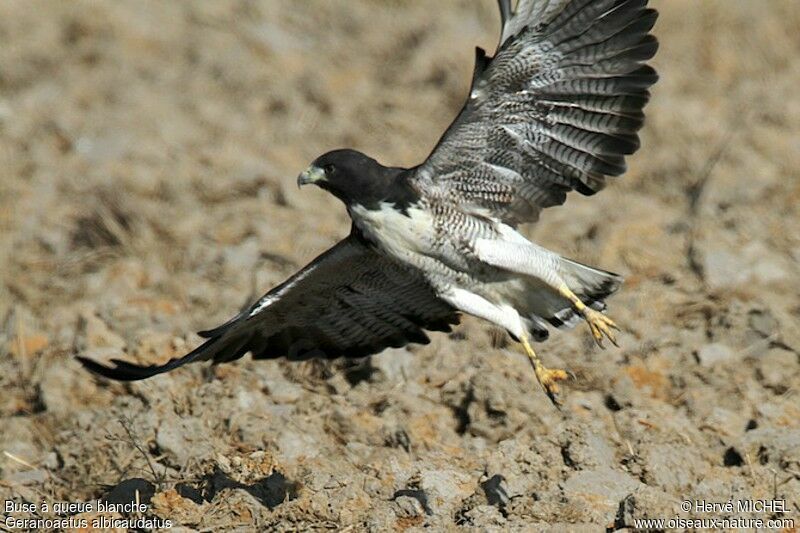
(547, 378)
(599, 323)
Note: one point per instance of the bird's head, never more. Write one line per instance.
(352, 177)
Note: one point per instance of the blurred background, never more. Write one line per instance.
(148, 156)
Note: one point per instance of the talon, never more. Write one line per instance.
(547, 378)
(601, 326)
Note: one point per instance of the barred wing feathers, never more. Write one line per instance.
(557, 109)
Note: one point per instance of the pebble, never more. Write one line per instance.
(446, 488)
(600, 490)
(776, 367)
(183, 438)
(294, 445)
(407, 506)
(763, 322)
(484, 516)
(714, 353)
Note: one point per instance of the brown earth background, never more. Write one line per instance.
(148, 155)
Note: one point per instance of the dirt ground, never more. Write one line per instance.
(149, 152)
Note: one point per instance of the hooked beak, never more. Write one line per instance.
(312, 174)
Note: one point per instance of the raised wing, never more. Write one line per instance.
(557, 108)
(351, 301)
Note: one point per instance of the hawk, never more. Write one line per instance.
(556, 109)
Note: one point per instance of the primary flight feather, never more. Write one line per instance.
(556, 109)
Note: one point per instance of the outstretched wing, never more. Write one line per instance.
(557, 108)
(351, 301)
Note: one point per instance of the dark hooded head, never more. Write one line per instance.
(355, 178)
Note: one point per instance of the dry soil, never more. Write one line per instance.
(149, 153)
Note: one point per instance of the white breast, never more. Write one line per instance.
(396, 233)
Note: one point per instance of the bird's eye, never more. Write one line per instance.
(328, 169)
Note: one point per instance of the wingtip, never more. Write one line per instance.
(111, 372)
(122, 370)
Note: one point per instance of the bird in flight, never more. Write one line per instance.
(556, 109)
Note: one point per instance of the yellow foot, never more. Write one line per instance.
(600, 325)
(547, 378)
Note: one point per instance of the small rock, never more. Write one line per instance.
(600, 490)
(183, 438)
(714, 353)
(485, 516)
(775, 367)
(446, 486)
(293, 445)
(51, 461)
(763, 322)
(411, 503)
(406, 506)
